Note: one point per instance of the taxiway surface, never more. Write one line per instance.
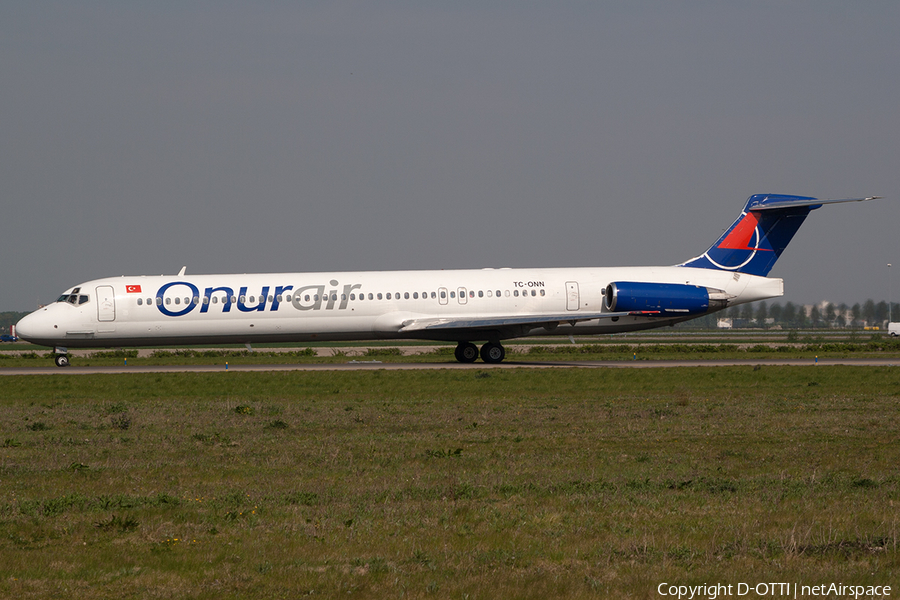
(355, 365)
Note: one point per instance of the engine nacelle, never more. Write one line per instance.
(668, 299)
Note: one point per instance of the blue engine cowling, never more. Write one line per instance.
(669, 299)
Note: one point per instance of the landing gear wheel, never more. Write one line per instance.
(466, 352)
(492, 353)
(61, 360)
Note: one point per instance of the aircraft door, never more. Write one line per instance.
(572, 300)
(463, 298)
(442, 295)
(106, 303)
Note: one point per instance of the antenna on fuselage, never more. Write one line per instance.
(181, 272)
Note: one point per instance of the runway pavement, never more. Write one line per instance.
(362, 365)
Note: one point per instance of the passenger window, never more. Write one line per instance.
(215, 299)
(195, 300)
(252, 299)
(278, 298)
(452, 294)
(533, 292)
(306, 298)
(352, 297)
(140, 301)
(343, 297)
(233, 299)
(168, 301)
(516, 293)
(498, 293)
(158, 301)
(432, 295)
(471, 293)
(480, 294)
(489, 293)
(205, 299)
(543, 293)
(379, 295)
(506, 293)
(370, 296)
(270, 299)
(415, 295)
(406, 295)
(177, 300)
(388, 295)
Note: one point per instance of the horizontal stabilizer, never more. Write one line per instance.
(773, 202)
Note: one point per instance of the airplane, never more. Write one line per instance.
(462, 306)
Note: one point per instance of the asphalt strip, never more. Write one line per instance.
(374, 365)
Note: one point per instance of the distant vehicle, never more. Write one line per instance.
(894, 329)
(7, 338)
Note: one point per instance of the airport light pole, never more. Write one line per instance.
(890, 296)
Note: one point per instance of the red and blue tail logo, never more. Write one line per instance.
(758, 237)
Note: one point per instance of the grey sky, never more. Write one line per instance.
(257, 137)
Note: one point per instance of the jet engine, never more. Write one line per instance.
(666, 299)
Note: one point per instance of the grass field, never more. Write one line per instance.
(679, 347)
(562, 483)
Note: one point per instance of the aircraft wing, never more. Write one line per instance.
(487, 323)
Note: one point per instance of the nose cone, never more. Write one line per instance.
(38, 328)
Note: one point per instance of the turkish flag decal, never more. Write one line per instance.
(133, 289)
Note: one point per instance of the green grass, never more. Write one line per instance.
(877, 346)
(563, 483)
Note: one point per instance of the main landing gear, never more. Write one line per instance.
(491, 352)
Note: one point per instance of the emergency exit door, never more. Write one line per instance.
(572, 300)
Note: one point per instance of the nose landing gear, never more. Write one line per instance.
(62, 356)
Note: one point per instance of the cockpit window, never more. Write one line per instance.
(74, 298)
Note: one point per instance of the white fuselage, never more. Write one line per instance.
(304, 307)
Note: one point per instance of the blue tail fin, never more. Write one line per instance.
(758, 237)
